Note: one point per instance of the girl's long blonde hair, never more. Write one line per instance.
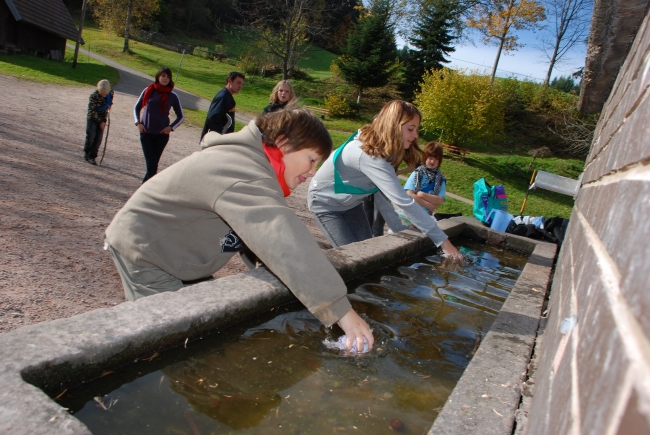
(383, 138)
(273, 98)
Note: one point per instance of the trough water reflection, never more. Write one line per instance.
(273, 375)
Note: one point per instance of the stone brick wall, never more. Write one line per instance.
(593, 375)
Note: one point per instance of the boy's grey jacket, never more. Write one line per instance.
(360, 170)
(181, 221)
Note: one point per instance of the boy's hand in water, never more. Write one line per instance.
(355, 327)
(451, 251)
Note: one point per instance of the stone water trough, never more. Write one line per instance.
(42, 360)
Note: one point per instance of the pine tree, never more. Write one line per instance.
(370, 57)
(565, 84)
(433, 37)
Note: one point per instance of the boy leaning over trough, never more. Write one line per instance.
(185, 223)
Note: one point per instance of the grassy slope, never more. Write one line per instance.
(204, 78)
(27, 67)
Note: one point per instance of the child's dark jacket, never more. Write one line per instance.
(98, 106)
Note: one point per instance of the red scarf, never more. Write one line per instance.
(275, 158)
(162, 90)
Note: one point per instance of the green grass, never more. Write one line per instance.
(197, 75)
(32, 68)
(316, 61)
(513, 172)
(204, 78)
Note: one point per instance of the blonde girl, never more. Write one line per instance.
(366, 164)
(281, 96)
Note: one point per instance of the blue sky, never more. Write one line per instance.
(527, 62)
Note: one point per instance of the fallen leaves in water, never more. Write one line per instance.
(104, 406)
(60, 395)
(151, 357)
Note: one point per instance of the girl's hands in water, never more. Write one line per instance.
(451, 252)
(355, 327)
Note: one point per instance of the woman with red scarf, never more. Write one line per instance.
(154, 126)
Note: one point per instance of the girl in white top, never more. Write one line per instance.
(364, 165)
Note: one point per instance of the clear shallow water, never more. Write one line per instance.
(273, 375)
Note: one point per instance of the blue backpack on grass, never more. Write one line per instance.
(488, 197)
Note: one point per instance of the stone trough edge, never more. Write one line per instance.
(489, 391)
(58, 353)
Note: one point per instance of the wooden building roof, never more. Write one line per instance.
(49, 15)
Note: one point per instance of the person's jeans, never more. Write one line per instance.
(375, 219)
(343, 228)
(153, 146)
(94, 136)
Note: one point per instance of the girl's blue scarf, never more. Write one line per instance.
(433, 175)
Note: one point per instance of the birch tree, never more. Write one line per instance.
(568, 26)
(497, 20)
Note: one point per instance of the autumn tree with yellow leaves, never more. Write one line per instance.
(496, 20)
(461, 106)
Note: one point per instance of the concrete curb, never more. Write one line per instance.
(63, 353)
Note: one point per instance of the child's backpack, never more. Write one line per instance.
(488, 197)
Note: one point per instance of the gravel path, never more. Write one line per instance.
(55, 207)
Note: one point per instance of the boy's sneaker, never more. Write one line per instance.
(86, 157)
(91, 161)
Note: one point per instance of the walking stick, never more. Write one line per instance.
(108, 130)
(521, 212)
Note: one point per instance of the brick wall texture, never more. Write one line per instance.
(593, 375)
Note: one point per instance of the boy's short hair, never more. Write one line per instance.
(104, 85)
(232, 75)
(433, 149)
(301, 128)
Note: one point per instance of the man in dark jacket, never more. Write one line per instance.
(221, 115)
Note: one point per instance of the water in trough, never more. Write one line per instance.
(274, 375)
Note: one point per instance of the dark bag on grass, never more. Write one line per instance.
(557, 226)
(530, 231)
